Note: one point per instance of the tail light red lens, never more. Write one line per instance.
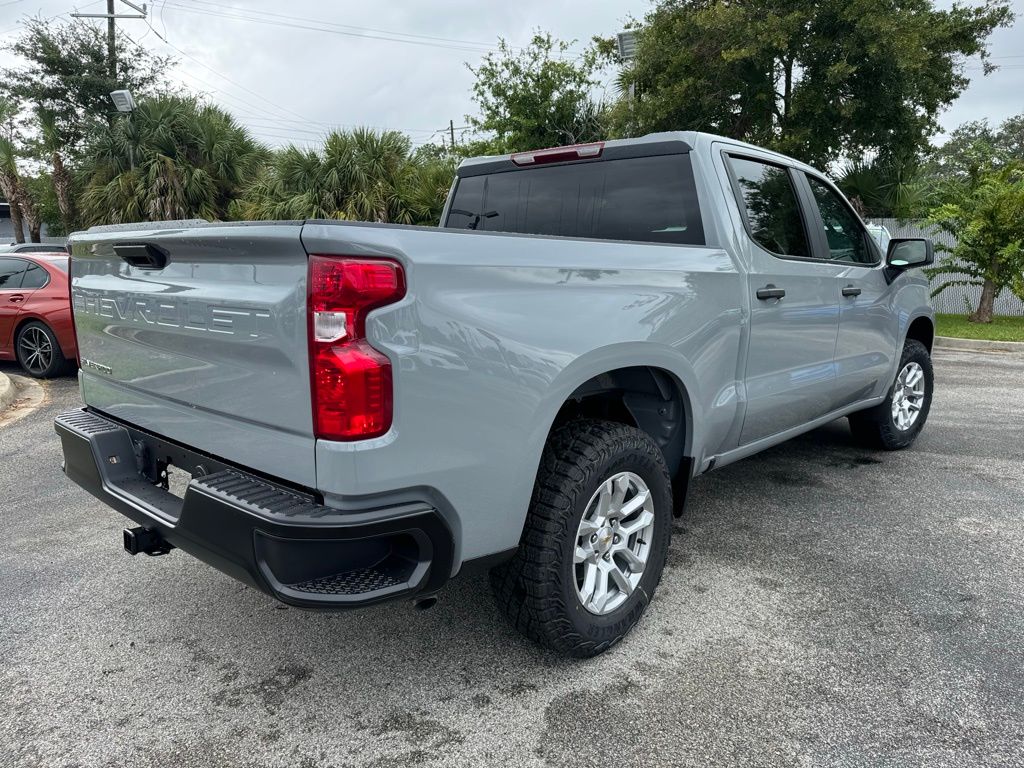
(351, 381)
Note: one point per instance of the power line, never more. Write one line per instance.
(225, 94)
(228, 79)
(315, 25)
(256, 120)
(260, 109)
(301, 118)
(21, 24)
(280, 123)
(221, 8)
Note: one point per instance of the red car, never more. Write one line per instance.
(35, 313)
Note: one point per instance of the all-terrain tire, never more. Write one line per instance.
(537, 588)
(877, 427)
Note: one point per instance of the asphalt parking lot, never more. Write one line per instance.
(823, 605)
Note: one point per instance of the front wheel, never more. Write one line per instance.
(899, 419)
(595, 539)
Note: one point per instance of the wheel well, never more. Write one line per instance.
(644, 397)
(922, 330)
(22, 323)
(17, 329)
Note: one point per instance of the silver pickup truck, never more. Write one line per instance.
(339, 413)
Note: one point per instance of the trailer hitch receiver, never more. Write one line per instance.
(145, 540)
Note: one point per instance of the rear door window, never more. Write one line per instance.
(770, 206)
(11, 273)
(644, 199)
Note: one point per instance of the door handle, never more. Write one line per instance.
(17, 297)
(851, 291)
(770, 292)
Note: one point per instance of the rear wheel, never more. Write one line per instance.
(595, 539)
(899, 419)
(38, 351)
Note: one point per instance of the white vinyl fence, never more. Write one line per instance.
(959, 299)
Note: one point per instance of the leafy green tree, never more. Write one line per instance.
(172, 158)
(361, 175)
(64, 73)
(987, 220)
(975, 147)
(536, 97)
(39, 188)
(815, 80)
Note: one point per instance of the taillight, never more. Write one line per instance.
(351, 381)
(559, 154)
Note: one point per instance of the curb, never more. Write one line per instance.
(978, 345)
(8, 392)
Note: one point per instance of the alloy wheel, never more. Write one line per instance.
(613, 542)
(36, 350)
(908, 396)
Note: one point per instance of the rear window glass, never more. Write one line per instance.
(769, 202)
(35, 277)
(646, 199)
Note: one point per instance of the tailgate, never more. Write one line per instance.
(198, 334)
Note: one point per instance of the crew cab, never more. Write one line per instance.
(339, 413)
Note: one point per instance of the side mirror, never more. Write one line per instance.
(908, 252)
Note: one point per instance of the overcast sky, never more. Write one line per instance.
(290, 70)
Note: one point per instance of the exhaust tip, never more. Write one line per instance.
(425, 603)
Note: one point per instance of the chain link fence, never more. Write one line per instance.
(959, 299)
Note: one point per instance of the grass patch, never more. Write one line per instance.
(1000, 329)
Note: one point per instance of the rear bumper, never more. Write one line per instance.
(272, 537)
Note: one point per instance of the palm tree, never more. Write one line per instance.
(361, 175)
(172, 158)
(23, 205)
(63, 185)
(887, 188)
(10, 185)
(426, 188)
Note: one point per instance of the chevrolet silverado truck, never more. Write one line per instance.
(340, 413)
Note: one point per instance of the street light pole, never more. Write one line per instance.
(626, 42)
(125, 103)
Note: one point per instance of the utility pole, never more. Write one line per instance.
(111, 42)
(451, 127)
(111, 15)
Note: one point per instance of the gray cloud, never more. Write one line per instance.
(290, 83)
